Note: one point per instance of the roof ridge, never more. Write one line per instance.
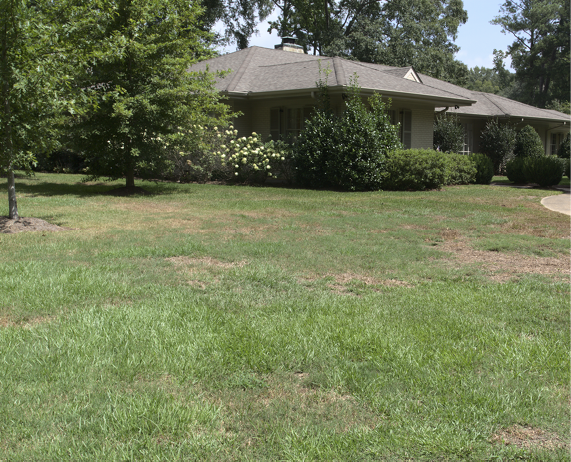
(240, 72)
(502, 110)
(339, 71)
(436, 88)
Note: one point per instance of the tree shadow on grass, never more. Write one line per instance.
(46, 188)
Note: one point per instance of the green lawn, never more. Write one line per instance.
(208, 322)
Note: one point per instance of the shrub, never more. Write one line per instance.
(448, 134)
(420, 169)
(484, 168)
(515, 170)
(528, 143)
(347, 152)
(545, 171)
(222, 155)
(564, 149)
(497, 142)
(461, 169)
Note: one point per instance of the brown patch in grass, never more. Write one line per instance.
(9, 226)
(9, 321)
(205, 261)
(149, 207)
(288, 397)
(342, 280)
(505, 264)
(529, 438)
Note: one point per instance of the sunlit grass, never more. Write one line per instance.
(209, 322)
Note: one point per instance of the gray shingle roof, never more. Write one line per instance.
(490, 105)
(257, 70)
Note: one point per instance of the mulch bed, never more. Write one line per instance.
(9, 226)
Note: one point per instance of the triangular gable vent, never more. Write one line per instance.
(412, 75)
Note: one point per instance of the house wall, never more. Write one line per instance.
(256, 116)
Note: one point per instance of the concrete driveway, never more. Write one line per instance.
(560, 203)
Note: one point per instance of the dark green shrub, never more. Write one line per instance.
(59, 162)
(420, 169)
(528, 143)
(460, 169)
(515, 170)
(545, 171)
(448, 134)
(347, 152)
(564, 149)
(484, 168)
(497, 142)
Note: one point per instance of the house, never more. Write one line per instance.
(552, 126)
(275, 90)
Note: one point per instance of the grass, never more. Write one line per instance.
(207, 322)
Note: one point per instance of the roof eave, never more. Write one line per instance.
(512, 116)
(403, 96)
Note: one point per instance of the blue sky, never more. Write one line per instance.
(476, 39)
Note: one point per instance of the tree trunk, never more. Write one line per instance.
(130, 176)
(12, 205)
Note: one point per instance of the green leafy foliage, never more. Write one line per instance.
(497, 141)
(545, 171)
(528, 143)
(540, 52)
(396, 33)
(421, 169)
(484, 168)
(145, 98)
(448, 134)
(564, 149)
(34, 73)
(515, 170)
(349, 151)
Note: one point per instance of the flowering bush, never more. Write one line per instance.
(219, 154)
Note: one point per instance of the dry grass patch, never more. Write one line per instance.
(27, 323)
(149, 206)
(288, 400)
(505, 265)
(529, 438)
(205, 262)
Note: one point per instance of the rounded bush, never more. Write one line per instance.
(564, 150)
(515, 170)
(528, 143)
(545, 171)
(484, 168)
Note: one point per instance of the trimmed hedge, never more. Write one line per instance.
(484, 168)
(421, 169)
(514, 170)
(545, 171)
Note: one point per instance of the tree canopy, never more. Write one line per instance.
(146, 100)
(418, 33)
(34, 78)
(540, 51)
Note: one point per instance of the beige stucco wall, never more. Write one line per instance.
(256, 116)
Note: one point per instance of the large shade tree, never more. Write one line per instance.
(34, 70)
(540, 52)
(418, 33)
(145, 100)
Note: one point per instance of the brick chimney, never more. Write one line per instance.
(288, 44)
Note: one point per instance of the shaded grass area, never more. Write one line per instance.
(208, 322)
